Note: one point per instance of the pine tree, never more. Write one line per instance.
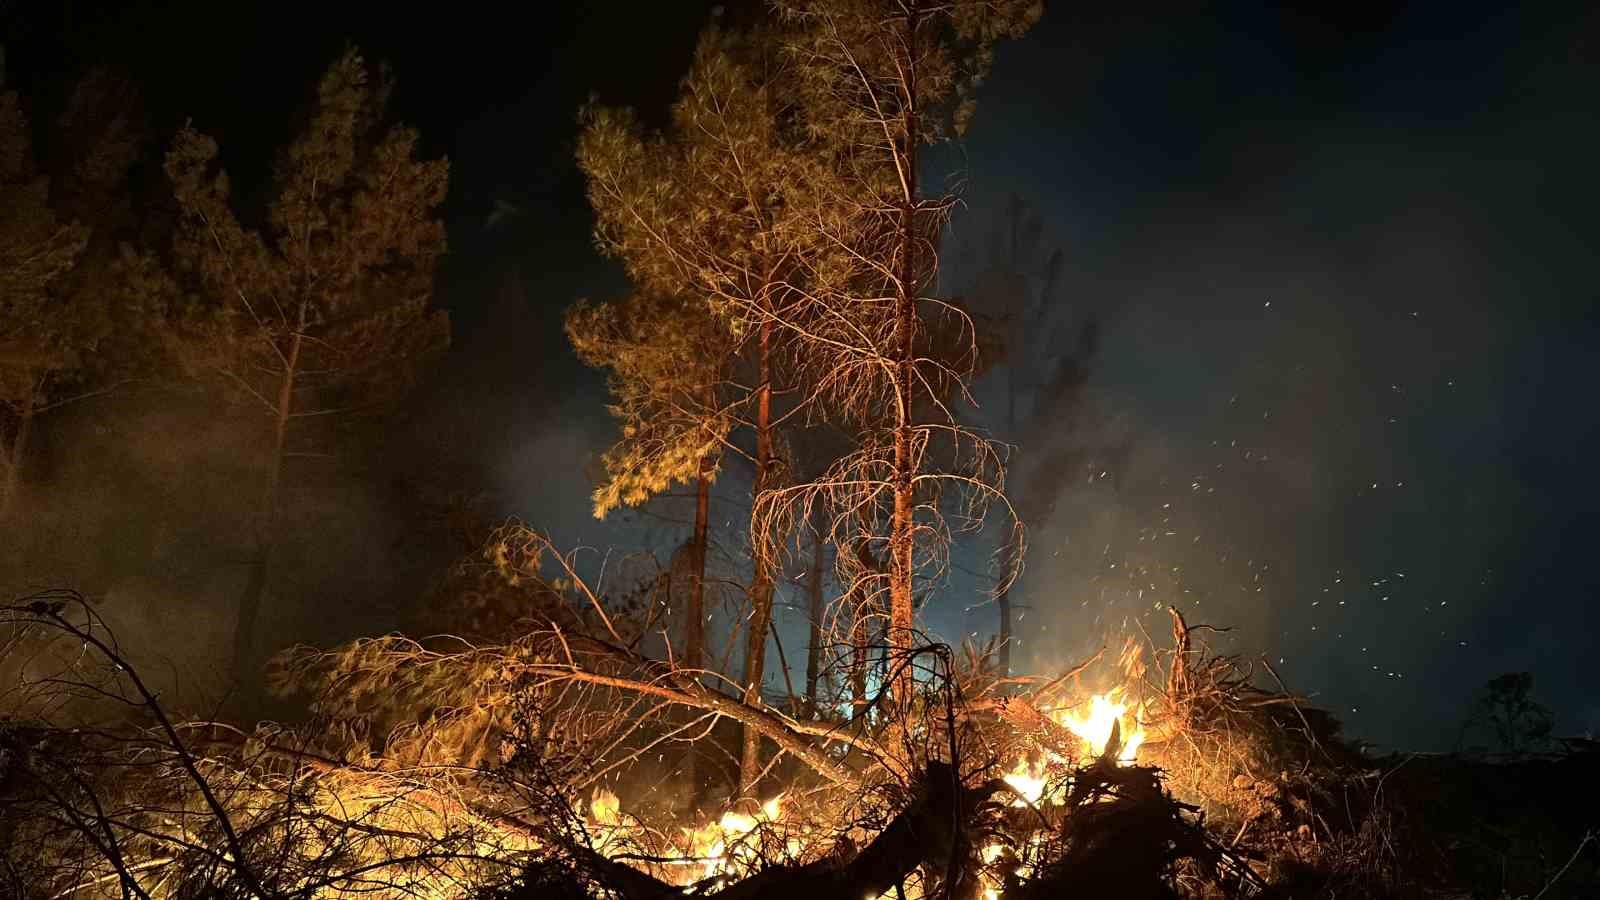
(45, 341)
(666, 357)
(879, 80)
(704, 211)
(327, 310)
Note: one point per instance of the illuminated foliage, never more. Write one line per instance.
(665, 357)
(707, 208)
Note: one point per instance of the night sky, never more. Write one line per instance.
(1343, 267)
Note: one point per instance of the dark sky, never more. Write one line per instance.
(1343, 264)
(1345, 269)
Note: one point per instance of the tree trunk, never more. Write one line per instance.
(14, 456)
(860, 658)
(862, 610)
(902, 543)
(244, 632)
(694, 626)
(694, 622)
(761, 579)
(814, 619)
(1011, 552)
(1002, 599)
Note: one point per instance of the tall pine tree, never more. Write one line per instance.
(703, 211)
(878, 81)
(326, 311)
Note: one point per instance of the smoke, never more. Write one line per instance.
(1291, 434)
(144, 500)
(1335, 405)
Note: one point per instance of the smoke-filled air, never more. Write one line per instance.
(887, 449)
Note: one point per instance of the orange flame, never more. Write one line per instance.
(722, 849)
(714, 850)
(1107, 715)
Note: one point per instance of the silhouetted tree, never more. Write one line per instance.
(1506, 713)
(327, 310)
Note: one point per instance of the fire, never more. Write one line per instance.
(1107, 715)
(727, 846)
(1025, 866)
(605, 809)
(711, 843)
(716, 849)
(1027, 778)
(990, 855)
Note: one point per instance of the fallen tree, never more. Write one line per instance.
(470, 782)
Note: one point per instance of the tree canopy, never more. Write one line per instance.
(328, 310)
(335, 293)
